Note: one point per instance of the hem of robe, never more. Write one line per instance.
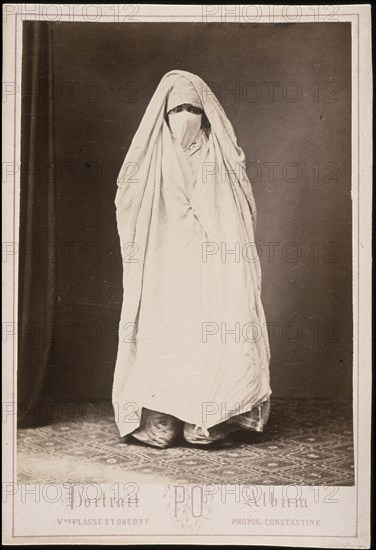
(127, 427)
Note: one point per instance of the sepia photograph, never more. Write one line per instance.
(172, 250)
(186, 291)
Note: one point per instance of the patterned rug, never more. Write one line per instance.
(305, 442)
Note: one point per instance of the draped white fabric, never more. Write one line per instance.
(193, 339)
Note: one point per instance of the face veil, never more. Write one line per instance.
(185, 126)
(184, 285)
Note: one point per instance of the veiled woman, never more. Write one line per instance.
(193, 355)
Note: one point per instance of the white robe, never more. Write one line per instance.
(199, 349)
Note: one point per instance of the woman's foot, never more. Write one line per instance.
(216, 435)
(157, 429)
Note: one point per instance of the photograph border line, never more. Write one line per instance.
(22, 17)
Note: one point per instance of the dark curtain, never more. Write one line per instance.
(37, 266)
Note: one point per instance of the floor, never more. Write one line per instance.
(305, 442)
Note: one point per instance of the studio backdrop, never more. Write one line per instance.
(287, 91)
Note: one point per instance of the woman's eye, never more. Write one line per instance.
(196, 110)
(177, 109)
